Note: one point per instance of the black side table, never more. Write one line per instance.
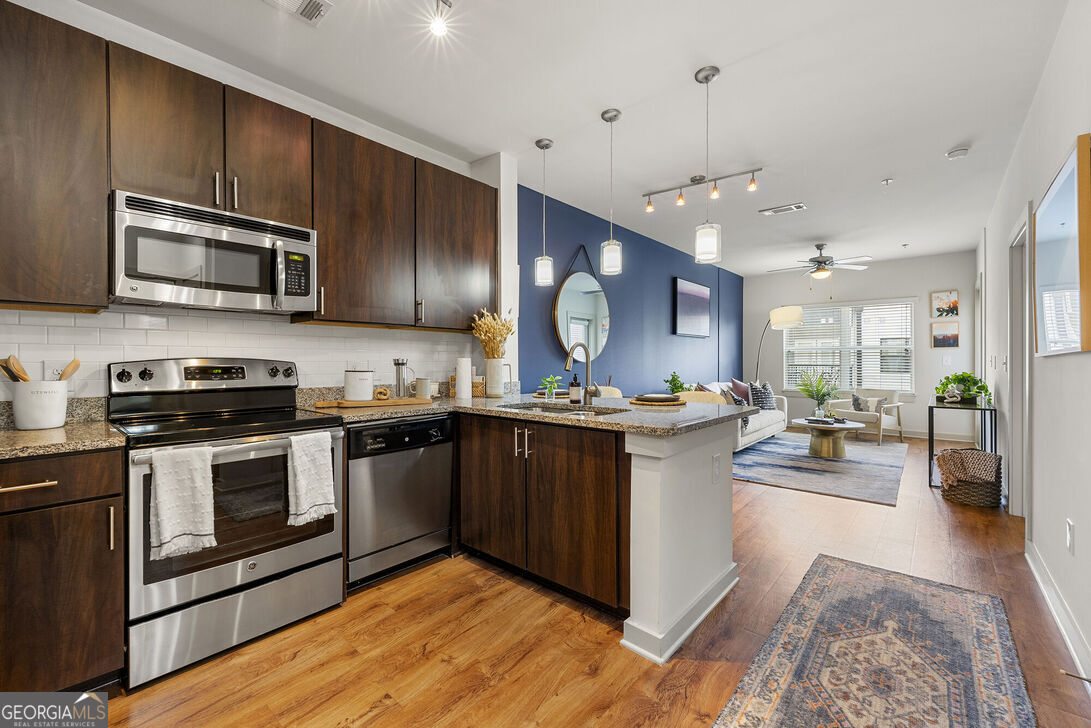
(988, 434)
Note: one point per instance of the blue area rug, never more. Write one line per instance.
(863, 647)
(868, 473)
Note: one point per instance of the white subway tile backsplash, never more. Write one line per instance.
(122, 336)
(72, 335)
(141, 332)
(145, 321)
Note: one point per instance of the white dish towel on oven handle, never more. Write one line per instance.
(181, 518)
(310, 478)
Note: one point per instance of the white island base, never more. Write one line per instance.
(681, 562)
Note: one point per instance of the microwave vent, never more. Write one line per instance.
(211, 217)
(310, 12)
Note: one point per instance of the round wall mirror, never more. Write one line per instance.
(581, 314)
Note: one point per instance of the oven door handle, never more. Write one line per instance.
(277, 443)
(278, 297)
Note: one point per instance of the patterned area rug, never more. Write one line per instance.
(868, 473)
(863, 647)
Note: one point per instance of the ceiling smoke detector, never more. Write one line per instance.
(310, 12)
(783, 209)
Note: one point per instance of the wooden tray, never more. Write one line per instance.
(559, 395)
(676, 403)
(374, 402)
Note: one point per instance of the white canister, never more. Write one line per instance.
(359, 385)
(463, 378)
(40, 405)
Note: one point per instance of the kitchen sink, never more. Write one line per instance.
(582, 411)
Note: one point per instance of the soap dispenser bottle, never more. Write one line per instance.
(575, 390)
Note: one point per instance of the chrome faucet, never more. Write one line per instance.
(587, 361)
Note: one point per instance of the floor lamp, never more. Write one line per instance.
(784, 317)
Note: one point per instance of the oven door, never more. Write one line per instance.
(159, 260)
(253, 538)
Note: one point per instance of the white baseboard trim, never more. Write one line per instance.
(956, 436)
(1062, 615)
(660, 647)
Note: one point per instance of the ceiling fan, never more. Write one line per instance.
(822, 265)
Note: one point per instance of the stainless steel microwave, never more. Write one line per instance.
(197, 257)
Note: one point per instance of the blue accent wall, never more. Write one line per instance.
(641, 351)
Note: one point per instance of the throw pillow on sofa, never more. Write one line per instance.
(741, 403)
(762, 397)
(741, 389)
(870, 404)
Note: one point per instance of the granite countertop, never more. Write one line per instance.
(643, 420)
(72, 437)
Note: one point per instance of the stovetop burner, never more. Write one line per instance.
(173, 401)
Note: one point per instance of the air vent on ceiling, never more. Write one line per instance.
(310, 12)
(783, 209)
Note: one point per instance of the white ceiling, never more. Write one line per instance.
(829, 97)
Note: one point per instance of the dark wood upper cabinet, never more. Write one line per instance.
(363, 213)
(268, 159)
(492, 491)
(456, 246)
(572, 516)
(63, 594)
(53, 163)
(166, 130)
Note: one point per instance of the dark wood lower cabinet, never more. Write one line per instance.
(547, 499)
(572, 509)
(492, 492)
(62, 594)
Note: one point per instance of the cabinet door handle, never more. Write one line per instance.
(420, 313)
(322, 300)
(235, 192)
(516, 442)
(28, 486)
(526, 442)
(111, 528)
(216, 185)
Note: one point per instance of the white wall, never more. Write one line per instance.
(1060, 457)
(908, 278)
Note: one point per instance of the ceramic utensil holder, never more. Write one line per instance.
(494, 377)
(40, 405)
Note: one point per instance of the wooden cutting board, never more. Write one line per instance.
(374, 402)
(676, 403)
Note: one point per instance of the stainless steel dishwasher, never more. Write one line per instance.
(399, 499)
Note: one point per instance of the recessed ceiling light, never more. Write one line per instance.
(886, 182)
(957, 153)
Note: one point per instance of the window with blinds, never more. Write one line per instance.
(861, 346)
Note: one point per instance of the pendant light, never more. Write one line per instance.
(543, 264)
(610, 251)
(706, 240)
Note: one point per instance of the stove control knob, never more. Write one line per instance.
(435, 434)
(146, 374)
(274, 371)
(289, 372)
(124, 376)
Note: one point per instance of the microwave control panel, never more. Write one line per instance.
(297, 274)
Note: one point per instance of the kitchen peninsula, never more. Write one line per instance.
(627, 506)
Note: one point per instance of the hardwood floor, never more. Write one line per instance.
(461, 643)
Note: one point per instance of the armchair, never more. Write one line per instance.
(887, 420)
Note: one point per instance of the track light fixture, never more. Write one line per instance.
(649, 207)
(438, 26)
(698, 180)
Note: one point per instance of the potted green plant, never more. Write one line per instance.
(675, 384)
(967, 385)
(814, 384)
(550, 385)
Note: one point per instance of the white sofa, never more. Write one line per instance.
(765, 423)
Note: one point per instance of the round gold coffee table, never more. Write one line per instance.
(828, 440)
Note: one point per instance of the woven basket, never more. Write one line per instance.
(985, 495)
(477, 389)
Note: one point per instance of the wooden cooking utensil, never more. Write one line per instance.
(17, 368)
(7, 370)
(69, 370)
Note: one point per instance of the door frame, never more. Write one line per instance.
(1019, 362)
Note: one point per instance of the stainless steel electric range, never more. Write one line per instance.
(262, 573)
